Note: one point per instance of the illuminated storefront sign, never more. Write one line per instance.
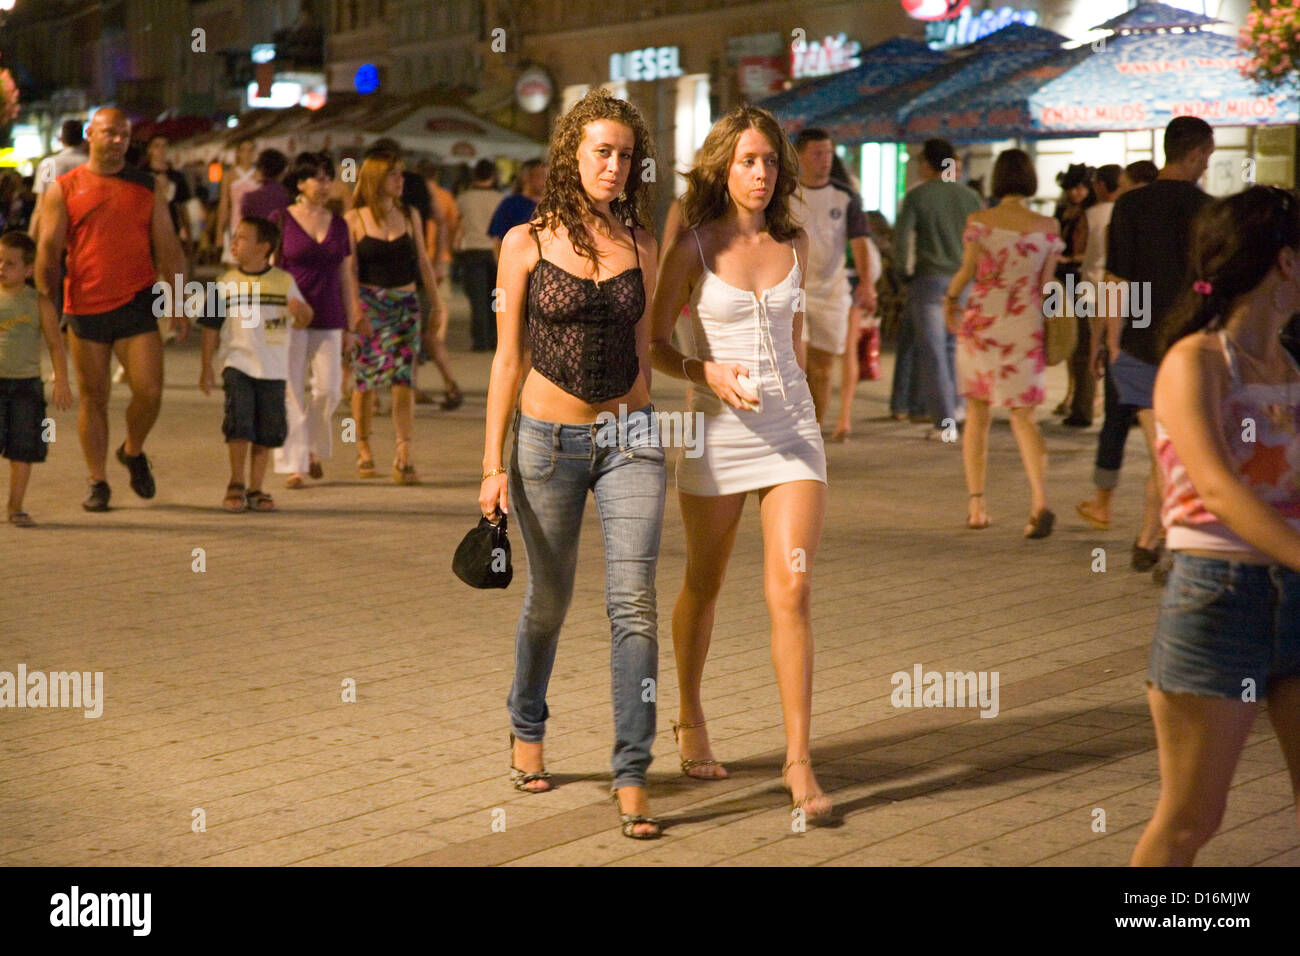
(833, 55)
(968, 28)
(652, 63)
(934, 9)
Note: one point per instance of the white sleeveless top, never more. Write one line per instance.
(744, 450)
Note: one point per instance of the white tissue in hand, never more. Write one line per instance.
(747, 387)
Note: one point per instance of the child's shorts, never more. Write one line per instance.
(254, 409)
(22, 409)
(1225, 628)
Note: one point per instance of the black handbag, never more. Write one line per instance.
(483, 558)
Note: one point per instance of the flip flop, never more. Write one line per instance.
(1084, 509)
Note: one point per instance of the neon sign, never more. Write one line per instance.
(968, 28)
(833, 55)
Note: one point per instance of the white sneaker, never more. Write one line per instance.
(120, 375)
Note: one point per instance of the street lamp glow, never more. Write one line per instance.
(7, 5)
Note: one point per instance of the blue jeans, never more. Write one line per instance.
(552, 469)
(905, 393)
(936, 347)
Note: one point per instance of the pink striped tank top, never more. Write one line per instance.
(1261, 426)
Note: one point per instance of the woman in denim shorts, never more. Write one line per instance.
(578, 280)
(1227, 405)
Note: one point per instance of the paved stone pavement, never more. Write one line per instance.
(225, 739)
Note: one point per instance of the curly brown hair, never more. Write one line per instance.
(707, 197)
(565, 202)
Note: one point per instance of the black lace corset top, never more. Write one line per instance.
(583, 332)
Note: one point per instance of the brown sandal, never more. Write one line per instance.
(235, 500)
(260, 501)
(21, 519)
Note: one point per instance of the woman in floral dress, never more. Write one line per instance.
(1011, 252)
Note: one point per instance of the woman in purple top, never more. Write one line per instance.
(317, 251)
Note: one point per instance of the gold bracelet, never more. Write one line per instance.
(492, 474)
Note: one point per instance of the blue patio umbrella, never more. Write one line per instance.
(1155, 16)
(987, 113)
(884, 65)
(1143, 80)
(999, 55)
(1139, 78)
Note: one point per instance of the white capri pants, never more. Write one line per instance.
(318, 352)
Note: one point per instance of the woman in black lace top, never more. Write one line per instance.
(578, 281)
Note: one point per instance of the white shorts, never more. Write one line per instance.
(826, 323)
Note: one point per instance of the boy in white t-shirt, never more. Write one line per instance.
(255, 303)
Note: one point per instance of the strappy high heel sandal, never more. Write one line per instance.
(630, 821)
(520, 779)
(404, 474)
(822, 817)
(365, 463)
(690, 763)
(454, 398)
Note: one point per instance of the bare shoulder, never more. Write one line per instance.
(801, 241)
(1048, 224)
(518, 244)
(646, 244)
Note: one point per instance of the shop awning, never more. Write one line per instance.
(885, 65)
(999, 55)
(453, 134)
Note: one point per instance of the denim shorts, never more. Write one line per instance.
(1223, 624)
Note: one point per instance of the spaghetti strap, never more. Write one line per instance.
(536, 239)
(632, 229)
(1231, 358)
(796, 257)
(700, 247)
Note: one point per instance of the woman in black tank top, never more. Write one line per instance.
(387, 268)
(575, 284)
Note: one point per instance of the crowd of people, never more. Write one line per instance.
(750, 303)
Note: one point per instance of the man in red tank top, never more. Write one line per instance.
(114, 225)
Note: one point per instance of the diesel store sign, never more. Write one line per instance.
(652, 63)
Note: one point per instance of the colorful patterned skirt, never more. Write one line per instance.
(387, 355)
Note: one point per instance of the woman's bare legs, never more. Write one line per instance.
(1198, 742)
(975, 457)
(1150, 533)
(1284, 713)
(1033, 453)
(711, 525)
(792, 515)
(403, 423)
(363, 413)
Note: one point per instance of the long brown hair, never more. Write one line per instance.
(370, 182)
(707, 198)
(565, 202)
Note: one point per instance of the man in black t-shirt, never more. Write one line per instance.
(1147, 248)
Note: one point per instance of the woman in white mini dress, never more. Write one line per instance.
(738, 261)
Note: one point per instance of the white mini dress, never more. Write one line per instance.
(743, 450)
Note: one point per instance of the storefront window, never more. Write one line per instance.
(691, 125)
